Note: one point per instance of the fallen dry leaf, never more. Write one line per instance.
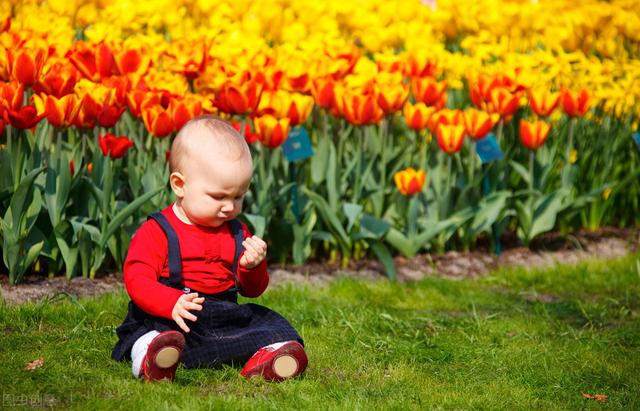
(597, 397)
(34, 364)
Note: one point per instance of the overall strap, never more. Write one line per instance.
(238, 236)
(175, 260)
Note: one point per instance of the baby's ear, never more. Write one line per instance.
(177, 184)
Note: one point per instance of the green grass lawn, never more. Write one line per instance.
(515, 339)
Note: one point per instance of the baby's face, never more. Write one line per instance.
(214, 189)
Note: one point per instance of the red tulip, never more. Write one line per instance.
(249, 136)
(114, 147)
(26, 117)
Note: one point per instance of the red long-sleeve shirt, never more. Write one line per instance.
(207, 260)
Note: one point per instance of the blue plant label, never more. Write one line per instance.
(297, 146)
(636, 138)
(488, 149)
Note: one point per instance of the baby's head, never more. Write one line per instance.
(211, 170)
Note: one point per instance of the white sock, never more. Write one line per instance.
(139, 350)
(275, 346)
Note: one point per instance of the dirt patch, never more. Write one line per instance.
(36, 288)
(546, 251)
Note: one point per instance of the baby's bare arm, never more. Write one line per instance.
(181, 311)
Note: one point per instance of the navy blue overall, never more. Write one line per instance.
(225, 332)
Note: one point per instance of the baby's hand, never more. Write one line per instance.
(255, 250)
(181, 312)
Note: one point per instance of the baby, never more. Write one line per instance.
(186, 265)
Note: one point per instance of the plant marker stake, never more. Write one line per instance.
(295, 148)
(488, 150)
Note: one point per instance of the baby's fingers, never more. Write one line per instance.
(193, 306)
(182, 324)
(187, 315)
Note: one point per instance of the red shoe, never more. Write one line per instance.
(277, 362)
(163, 356)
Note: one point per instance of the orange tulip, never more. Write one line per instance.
(450, 138)
(543, 102)
(280, 104)
(391, 96)
(342, 62)
(417, 115)
(183, 110)
(104, 109)
(445, 117)
(430, 91)
(95, 63)
(299, 82)
(186, 58)
(238, 99)
(360, 108)
(479, 123)
(299, 109)
(6, 24)
(323, 92)
(389, 63)
(60, 112)
(575, 104)
(481, 87)
(136, 98)
(272, 132)
(533, 134)
(11, 95)
(158, 121)
(409, 181)
(59, 80)
(131, 62)
(419, 67)
(504, 103)
(25, 66)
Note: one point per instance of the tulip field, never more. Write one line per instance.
(377, 128)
